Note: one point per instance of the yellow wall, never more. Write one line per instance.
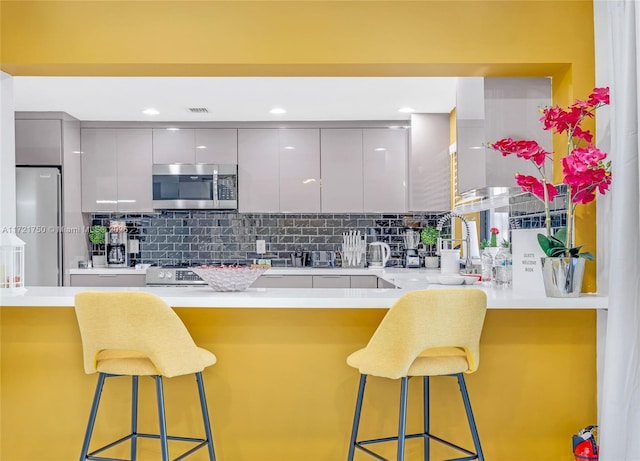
(252, 38)
(281, 390)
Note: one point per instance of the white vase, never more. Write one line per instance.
(99, 260)
(431, 262)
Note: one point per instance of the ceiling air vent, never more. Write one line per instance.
(198, 110)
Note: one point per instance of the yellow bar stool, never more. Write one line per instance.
(425, 333)
(138, 334)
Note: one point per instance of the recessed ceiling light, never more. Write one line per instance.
(406, 110)
(289, 147)
(201, 147)
(173, 128)
(150, 111)
(379, 149)
(278, 110)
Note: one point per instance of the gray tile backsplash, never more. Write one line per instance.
(214, 237)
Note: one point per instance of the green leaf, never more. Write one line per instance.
(586, 255)
(561, 235)
(556, 252)
(543, 241)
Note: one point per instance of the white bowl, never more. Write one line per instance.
(451, 279)
(229, 278)
(470, 279)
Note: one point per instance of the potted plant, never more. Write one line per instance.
(429, 237)
(585, 173)
(97, 235)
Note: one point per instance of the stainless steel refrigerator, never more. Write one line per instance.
(38, 221)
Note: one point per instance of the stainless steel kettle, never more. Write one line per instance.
(379, 253)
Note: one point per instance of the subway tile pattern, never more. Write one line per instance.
(217, 237)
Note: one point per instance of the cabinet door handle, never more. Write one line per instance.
(330, 276)
(107, 275)
(273, 276)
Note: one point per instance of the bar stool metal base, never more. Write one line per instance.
(426, 435)
(134, 435)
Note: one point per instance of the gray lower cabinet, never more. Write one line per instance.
(331, 281)
(382, 283)
(107, 280)
(319, 281)
(365, 281)
(283, 281)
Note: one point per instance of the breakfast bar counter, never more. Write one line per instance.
(404, 279)
(281, 389)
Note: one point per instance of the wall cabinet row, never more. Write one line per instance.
(322, 170)
(280, 170)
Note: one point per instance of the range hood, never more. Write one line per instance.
(488, 109)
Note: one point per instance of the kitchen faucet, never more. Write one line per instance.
(468, 265)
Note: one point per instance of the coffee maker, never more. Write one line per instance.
(117, 253)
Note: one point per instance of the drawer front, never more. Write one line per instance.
(283, 281)
(107, 280)
(331, 281)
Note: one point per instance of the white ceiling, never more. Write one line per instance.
(235, 98)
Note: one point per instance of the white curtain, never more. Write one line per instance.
(620, 400)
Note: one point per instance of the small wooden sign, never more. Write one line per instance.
(526, 254)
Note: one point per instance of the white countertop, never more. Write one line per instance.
(405, 279)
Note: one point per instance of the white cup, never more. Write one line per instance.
(449, 261)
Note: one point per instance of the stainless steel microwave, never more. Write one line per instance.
(197, 186)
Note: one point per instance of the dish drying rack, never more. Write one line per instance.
(353, 251)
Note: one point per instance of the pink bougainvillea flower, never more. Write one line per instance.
(531, 150)
(505, 146)
(599, 96)
(528, 150)
(534, 185)
(582, 134)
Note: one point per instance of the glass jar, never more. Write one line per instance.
(501, 272)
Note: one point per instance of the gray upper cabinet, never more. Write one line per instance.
(299, 168)
(116, 169)
(135, 187)
(216, 145)
(99, 169)
(341, 170)
(429, 163)
(279, 170)
(174, 145)
(385, 170)
(258, 170)
(195, 145)
(38, 142)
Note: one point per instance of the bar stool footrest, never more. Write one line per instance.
(201, 443)
(424, 435)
